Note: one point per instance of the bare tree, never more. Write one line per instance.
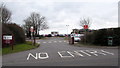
(85, 22)
(27, 27)
(37, 21)
(5, 14)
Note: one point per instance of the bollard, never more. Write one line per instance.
(72, 40)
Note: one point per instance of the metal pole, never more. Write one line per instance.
(1, 14)
(34, 35)
(85, 37)
(67, 29)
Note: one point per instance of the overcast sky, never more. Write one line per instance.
(59, 13)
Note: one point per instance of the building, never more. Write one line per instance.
(54, 33)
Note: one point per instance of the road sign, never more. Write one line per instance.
(110, 40)
(32, 29)
(7, 39)
(85, 26)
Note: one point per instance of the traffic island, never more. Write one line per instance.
(19, 48)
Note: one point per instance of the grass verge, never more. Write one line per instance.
(91, 45)
(19, 48)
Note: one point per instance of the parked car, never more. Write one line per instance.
(77, 38)
(61, 35)
(46, 35)
(52, 35)
(49, 35)
(57, 35)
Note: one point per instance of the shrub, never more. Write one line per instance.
(100, 37)
(16, 31)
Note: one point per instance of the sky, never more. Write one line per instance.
(59, 13)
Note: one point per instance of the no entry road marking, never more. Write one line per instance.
(42, 55)
(64, 54)
(70, 54)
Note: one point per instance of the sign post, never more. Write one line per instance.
(86, 28)
(33, 34)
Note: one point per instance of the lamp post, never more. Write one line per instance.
(1, 14)
(67, 29)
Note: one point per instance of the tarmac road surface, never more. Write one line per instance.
(56, 51)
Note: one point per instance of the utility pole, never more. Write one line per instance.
(67, 29)
(1, 13)
(85, 28)
(85, 36)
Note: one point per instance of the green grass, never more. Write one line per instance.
(18, 48)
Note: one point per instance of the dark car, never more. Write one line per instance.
(61, 35)
(49, 35)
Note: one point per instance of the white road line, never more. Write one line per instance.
(30, 54)
(92, 52)
(60, 41)
(44, 42)
(38, 56)
(64, 56)
(43, 57)
(95, 52)
(107, 52)
(70, 54)
(78, 53)
(55, 41)
(83, 52)
(49, 42)
(102, 53)
(65, 41)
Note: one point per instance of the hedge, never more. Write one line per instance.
(15, 30)
(100, 37)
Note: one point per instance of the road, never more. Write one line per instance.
(56, 51)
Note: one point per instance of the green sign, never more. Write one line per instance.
(110, 40)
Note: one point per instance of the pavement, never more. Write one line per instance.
(55, 51)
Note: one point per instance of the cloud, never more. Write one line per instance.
(61, 0)
(59, 14)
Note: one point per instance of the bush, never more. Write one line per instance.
(16, 31)
(100, 37)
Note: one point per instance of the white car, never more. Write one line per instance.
(77, 38)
